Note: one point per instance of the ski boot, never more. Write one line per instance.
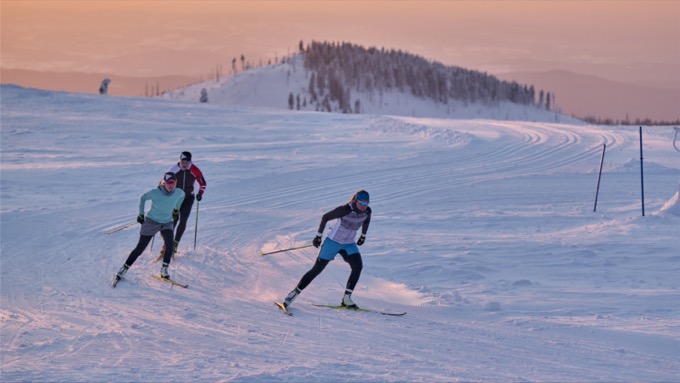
(347, 300)
(291, 297)
(120, 274)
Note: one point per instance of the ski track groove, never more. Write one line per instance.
(65, 321)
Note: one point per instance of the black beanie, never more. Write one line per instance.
(185, 156)
(169, 176)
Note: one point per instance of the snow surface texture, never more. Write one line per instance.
(483, 231)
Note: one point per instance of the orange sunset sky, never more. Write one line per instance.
(631, 41)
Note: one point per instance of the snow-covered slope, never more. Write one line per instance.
(483, 231)
(271, 87)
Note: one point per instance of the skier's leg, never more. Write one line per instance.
(184, 212)
(357, 265)
(167, 240)
(327, 252)
(144, 241)
(306, 279)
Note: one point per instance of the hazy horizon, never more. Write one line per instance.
(635, 42)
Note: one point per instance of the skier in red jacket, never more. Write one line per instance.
(187, 173)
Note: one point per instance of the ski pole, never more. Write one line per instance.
(281, 251)
(599, 176)
(121, 228)
(642, 178)
(196, 229)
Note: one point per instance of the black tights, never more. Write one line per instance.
(354, 261)
(144, 242)
(181, 222)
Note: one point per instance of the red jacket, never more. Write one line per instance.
(186, 178)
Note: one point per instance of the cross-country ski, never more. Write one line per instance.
(362, 309)
(283, 308)
(170, 281)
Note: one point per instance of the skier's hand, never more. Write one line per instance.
(317, 241)
(175, 214)
(140, 218)
(199, 197)
(361, 240)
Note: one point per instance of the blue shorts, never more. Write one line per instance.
(330, 248)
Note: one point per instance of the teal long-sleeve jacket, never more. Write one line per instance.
(162, 203)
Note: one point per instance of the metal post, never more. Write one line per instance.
(642, 178)
(599, 176)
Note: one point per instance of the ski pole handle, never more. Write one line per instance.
(281, 251)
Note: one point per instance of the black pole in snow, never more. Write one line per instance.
(599, 176)
(642, 178)
(196, 228)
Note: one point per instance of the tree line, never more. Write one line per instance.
(627, 121)
(340, 68)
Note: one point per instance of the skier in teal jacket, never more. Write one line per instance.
(165, 203)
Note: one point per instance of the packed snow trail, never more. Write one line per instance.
(483, 232)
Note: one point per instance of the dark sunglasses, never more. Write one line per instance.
(362, 203)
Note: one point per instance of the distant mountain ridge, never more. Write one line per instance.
(590, 96)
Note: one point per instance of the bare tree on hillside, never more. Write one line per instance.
(104, 87)
(311, 88)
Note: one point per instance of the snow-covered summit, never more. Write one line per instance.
(272, 86)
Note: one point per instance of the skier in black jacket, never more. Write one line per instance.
(350, 217)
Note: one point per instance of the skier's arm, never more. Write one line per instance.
(199, 178)
(143, 200)
(336, 213)
(364, 227)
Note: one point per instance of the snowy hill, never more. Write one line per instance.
(483, 231)
(271, 87)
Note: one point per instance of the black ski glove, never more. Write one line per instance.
(140, 218)
(175, 214)
(317, 241)
(361, 240)
(199, 197)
